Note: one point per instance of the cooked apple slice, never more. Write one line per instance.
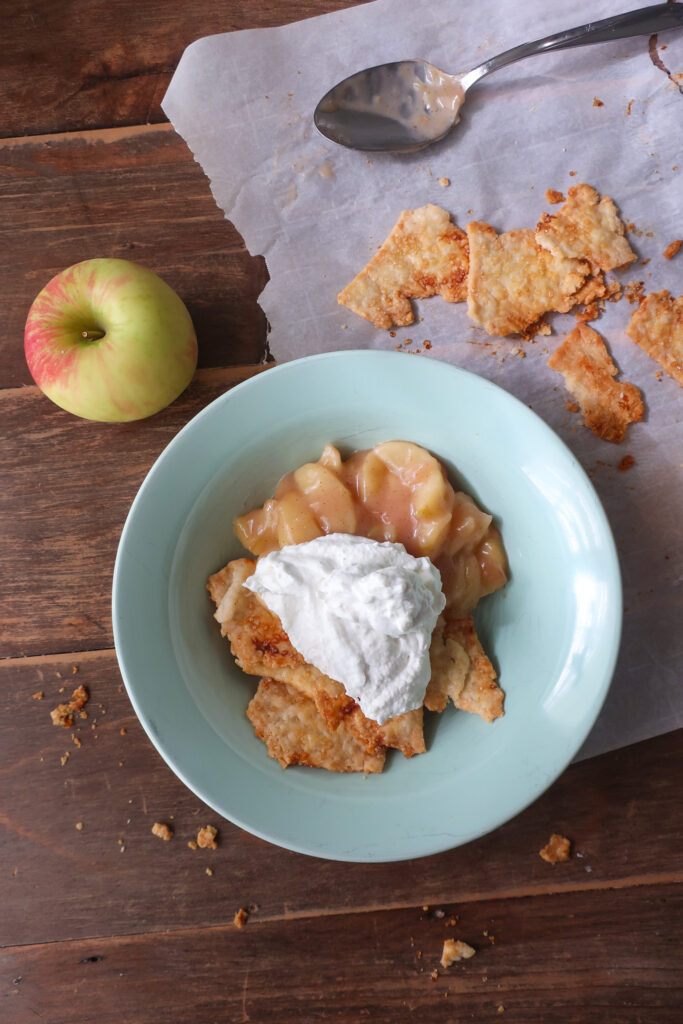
(295, 523)
(326, 496)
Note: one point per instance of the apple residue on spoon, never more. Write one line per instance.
(108, 340)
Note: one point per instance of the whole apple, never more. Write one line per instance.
(109, 340)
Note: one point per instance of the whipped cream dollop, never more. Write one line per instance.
(360, 611)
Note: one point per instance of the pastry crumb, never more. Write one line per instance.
(672, 249)
(556, 849)
(444, 182)
(455, 949)
(64, 758)
(240, 918)
(434, 975)
(626, 463)
(192, 844)
(163, 831)
(206, 838)
(79, 826)
(209, 871)
(597, 102)
(553, 196)
(38, 696)
(63, 714)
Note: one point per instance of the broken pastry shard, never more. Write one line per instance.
(461, 671)
(608, 406)
(513, 281)
(657, 326)
(425, 254)
(587, 227)
(295, 733)
(261, 647)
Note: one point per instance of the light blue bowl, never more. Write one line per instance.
(553, 632)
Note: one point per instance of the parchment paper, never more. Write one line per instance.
(244, 101)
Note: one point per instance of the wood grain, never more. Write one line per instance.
(575, 957)
(621, 811)
(67, 486)
(136, 194)
(101, 63)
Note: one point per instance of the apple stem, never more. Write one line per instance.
(92, 335)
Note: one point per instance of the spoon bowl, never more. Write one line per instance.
(401, 107)
(409, 104)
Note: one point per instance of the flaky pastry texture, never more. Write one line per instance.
(461, 671)
(657, 326)
(586, 227)
(513, 280)
(295, 733)
(608, 405)
(425, 254)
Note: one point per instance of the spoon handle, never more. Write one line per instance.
(644, 21)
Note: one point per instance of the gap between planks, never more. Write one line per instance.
(208, 375)
(106, 135)
(526, 892)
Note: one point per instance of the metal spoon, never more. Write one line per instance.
(407, 105)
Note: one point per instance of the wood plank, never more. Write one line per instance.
(622, 812)
(135, 194)
(109, 62)
(67, 485)
(612, 956)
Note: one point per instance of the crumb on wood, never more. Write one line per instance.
(557, 849)
(209, 871)
(501, 1008)
(76, 740)
(162, 830)
(451, 921)
(122, 732)
(241, 917)
(63, 714)
(455, 949)
(206, 838)
(672, 249)
(37, 696)
(192, 844)
(79, 826)
(434, 975)
(64, 758)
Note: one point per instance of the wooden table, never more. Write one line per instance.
(107, 923)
